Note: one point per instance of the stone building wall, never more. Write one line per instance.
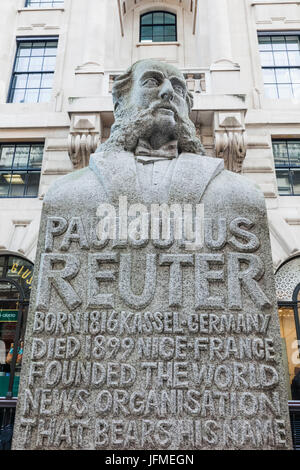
(217, 50)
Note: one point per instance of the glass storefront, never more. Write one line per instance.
(291, 345)
(288, 292)
(15, 287)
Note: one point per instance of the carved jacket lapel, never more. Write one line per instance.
(191, 176)
(117, 173)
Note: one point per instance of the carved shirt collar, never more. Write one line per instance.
(146, 154)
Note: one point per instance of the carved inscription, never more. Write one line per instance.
(109, 369)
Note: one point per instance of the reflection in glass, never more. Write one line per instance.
(280, 58)
(278, 43)
(33, 181)
(288, 333)
(294, 152)
(24, 49)
(158, 26)
(267, 58)
(265, 43)
(20, 81)
(4, 184)
(283, 76)
(19, 96)
(21, 156)
(285, 91)
(34, 70)
(17, 184)
(296, 181)
(292, 43)
(282, 54)
(280, 153)
(294, 58)
(269, 75)
(283, 182)
(7, 155)
(271, 91)
(21, 168)
(32, 96)
(34, 80)
(22, 64)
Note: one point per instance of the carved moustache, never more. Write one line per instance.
(165, 105)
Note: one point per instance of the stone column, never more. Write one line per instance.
(225, 73)
(89, 74)
(94, 32)
(219, 31)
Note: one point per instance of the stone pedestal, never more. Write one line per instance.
(153, 321)
(137, 341)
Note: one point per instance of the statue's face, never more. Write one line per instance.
(162, 86)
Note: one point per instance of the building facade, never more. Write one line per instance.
(58, 61)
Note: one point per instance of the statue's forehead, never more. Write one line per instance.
(167, 69)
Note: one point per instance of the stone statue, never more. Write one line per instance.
(152, 135)
(149, 342)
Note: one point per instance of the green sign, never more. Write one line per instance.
(8, 316)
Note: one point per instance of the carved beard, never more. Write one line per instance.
(132, 124)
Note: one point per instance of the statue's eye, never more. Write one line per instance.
(179, 90)
(151, 82)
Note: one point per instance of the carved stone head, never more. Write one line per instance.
(151, 101)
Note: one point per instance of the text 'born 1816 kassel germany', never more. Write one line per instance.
(153, 320)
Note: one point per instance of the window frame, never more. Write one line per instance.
(288, 167)
(35, 5)
(33, 39)
(264, 67)
(152, 24)
(10, 170)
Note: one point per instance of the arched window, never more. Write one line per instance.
(158, 26)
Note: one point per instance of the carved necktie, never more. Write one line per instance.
(146, 154)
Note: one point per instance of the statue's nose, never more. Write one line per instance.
(166, 91)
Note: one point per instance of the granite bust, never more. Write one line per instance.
(148, 343)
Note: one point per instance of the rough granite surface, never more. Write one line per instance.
(148, 343)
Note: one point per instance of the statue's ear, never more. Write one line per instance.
(190, 100)
(118, 101)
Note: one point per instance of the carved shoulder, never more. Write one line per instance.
(234, 190)
(79, 188)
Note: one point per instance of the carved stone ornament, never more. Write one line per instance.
(84, 138)
(231, 140)
(153, 316)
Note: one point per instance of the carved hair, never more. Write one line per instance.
(130, 122)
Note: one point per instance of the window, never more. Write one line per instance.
(15, 288)
(288, 293)
(20, 169)
(158, 26)
(280, 60)
(287, 165)
(43, 3)
(33, 71)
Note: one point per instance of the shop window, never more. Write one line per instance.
(33, 73)
(43, 3)
(280, 60)
(288, 330)
(287, 166)
(15, 287)
(158, 26)
(288, 293)
(20, 169)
